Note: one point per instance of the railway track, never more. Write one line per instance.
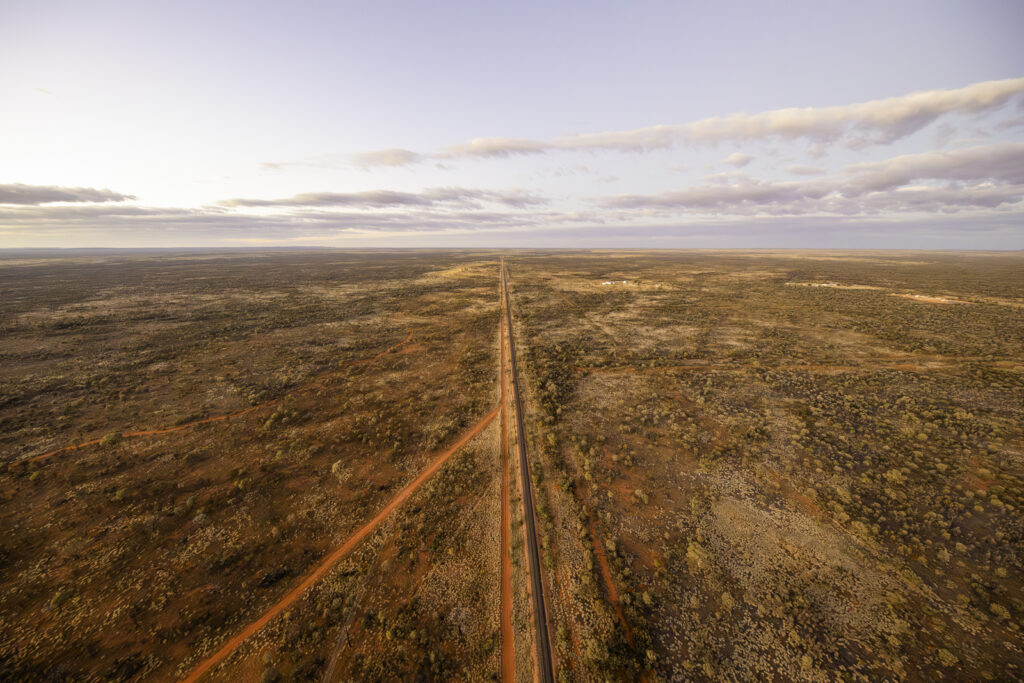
(542, 641)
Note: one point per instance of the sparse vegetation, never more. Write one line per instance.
(835, 469)
(735, 478)
(162, 544)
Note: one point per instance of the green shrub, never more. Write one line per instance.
(111, 439)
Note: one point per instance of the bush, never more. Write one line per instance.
(61, 596)
(339, 470)
(112, 439)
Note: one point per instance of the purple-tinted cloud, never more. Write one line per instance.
(981, 177)
(876, 122)
(801, 169)
(49, 194)
(378, 199)
(386, 157)
(738, 159)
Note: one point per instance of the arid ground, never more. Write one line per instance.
(304, 465)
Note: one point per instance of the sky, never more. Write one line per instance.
(527, 124)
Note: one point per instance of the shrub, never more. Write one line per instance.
(339, 470)
(61, 596)
(112, 439)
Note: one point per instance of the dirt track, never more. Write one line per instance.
(337, 555)
(508, 654)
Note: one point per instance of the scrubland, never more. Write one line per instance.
(746, 465)
(791, 482)
(135, 556)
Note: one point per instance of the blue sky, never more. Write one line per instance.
(897, 125)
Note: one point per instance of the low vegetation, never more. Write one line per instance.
(746, 466)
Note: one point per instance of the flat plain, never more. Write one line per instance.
(294, 465)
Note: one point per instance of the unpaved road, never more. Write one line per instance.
(542, 641)
(508, 653)
(340, 553)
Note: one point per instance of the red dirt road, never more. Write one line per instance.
(328, 562)
(508, 654)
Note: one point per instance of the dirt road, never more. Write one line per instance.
(542, 641)
(508, 653)
(340, 553)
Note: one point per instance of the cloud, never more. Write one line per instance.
(230, 225)
(726, 200)
(765, 198)
(990, 177)
(738, 196)
(383, 199)
(386, 157)
(856, 125)
(876, 122)
(638, 140)
(457, 195)
(92, 211)
(49, 194)
(800, 169)
(1010, 124)
(1000, 162)
(121, 225)
(948, 199)
(439, 210)
(494, 147)
(371, 199)
(738, 159)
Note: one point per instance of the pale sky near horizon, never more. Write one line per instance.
(589, 124)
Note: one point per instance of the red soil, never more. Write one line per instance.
(340, 553)
(220, 418)
(508, 657)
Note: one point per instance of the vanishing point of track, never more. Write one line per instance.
(545, 666)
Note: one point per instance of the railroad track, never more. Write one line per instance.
(542, 641)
